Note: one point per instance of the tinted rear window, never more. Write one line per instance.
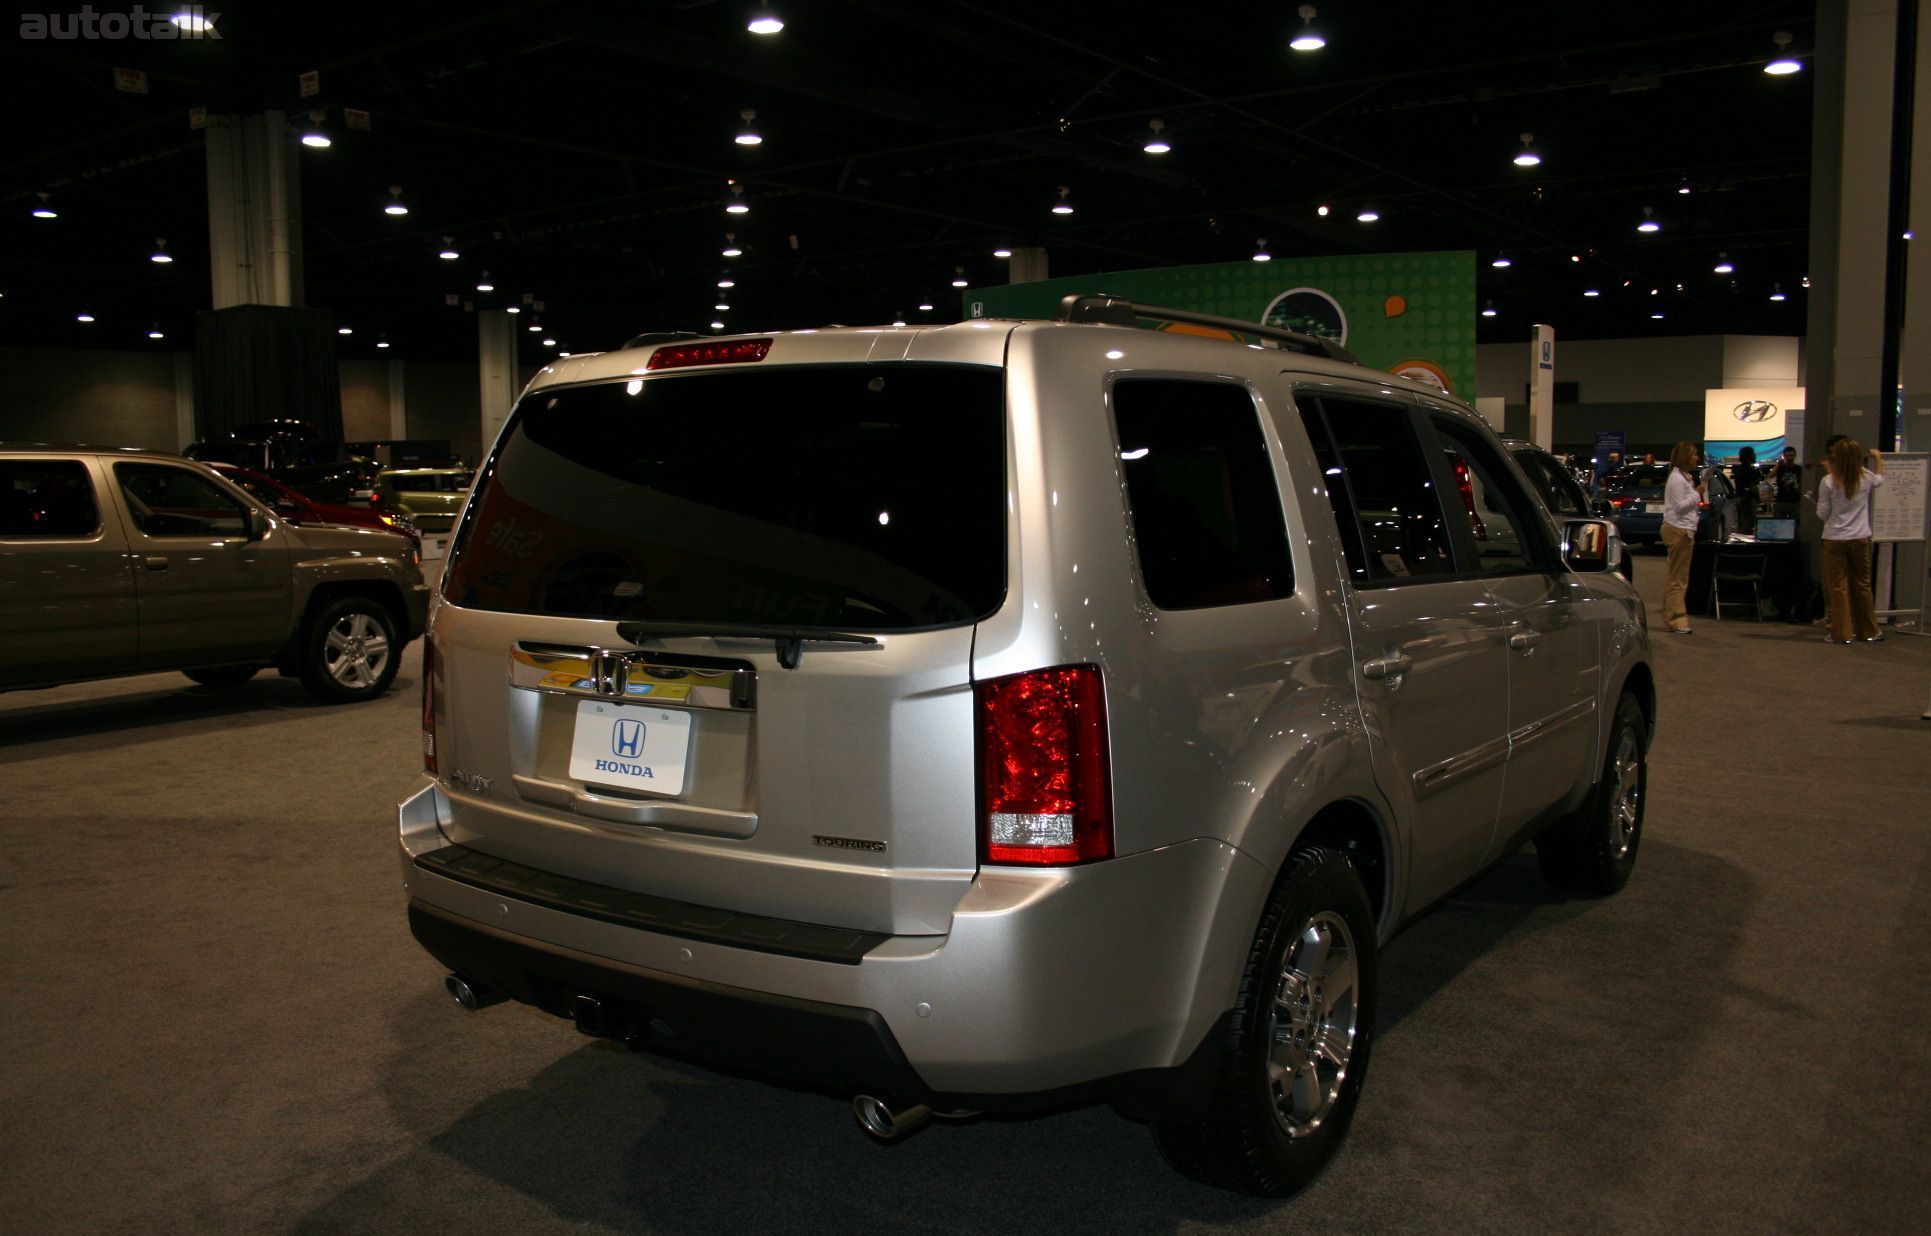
(1646, 476)
(855, 497)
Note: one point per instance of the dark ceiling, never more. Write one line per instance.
(580, 151)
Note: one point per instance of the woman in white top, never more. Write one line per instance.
(1844, 504)
(1682, 496)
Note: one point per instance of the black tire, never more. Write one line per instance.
(1593, 851)
(348, 650)
(223, 675)
(1248, 1143)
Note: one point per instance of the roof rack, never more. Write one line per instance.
(1114, 311)
(651, 338)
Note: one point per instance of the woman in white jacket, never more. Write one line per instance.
(1844, 504)
(1682, 496)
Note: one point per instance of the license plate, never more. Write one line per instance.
(1644, 507)
(631, 748)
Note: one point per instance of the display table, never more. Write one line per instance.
(1787, 592)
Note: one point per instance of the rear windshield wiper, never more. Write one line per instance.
(790, 641)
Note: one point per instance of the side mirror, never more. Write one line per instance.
(258, 524)
(1591, 545)
(1604, 508)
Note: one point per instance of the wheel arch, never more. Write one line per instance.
(1358, 830)
(1641, 683)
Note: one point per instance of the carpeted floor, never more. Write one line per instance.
(215, 1018)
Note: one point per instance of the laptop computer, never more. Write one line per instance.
(1776, 529)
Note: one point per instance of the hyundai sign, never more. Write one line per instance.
(1752, 416)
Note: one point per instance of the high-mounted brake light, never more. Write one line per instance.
(429, 703)
(1045, 788)
(679, 355)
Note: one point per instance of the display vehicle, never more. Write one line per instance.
(1007, 714)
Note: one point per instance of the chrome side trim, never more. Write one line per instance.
(679, 817)
(1548, 725)
(1439, 776)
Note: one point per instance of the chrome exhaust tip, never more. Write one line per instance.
(880, 1119)
(471, 997)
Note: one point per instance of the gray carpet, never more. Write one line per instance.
(215, 1019)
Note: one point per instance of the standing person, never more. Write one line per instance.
(1787, 484)
(1681, 497)
(1844, 504)
(1748, 477)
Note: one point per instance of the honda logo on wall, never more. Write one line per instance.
(1753, 411)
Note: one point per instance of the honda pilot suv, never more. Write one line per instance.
(1007, 714)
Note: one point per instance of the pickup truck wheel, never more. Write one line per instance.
(1594, 851)
(1298, 1048)
(348, 650)
(223, 675)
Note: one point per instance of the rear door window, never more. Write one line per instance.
(1207, 521)
(834, 497)
(46, 498)
(1494, 509)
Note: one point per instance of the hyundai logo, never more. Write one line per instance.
(1755, 410)
(627, 739)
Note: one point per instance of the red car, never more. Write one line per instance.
(300, 509)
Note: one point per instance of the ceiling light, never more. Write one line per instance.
(549, 343)
(1501, 262)
(1368, 216)
(1002, 253)
(1488, 311)
(1322, 210)
(1527, 157)
(736, 205)
(160, 254)
(727, 283)
(722, 307)
(563, 354)
(1648, 224)
(449, 253)
(484, 285)
(898, 321)
(1806, 280)
(535, 328)
(83, 316)
(958, 278)
(1307, 38)
(717, 326)
(1591, 292)
(765, 21)
(748, 133)
(45, 211)
(925, 308)
(730, 246)
(314, 136)
(1783, 64)
(395, 206)
(155, 332)
(1656, 317)
(382, 342)
(1260, 251)
(513, 309)
(191, 20)
(1776, 293)
(1156, 143)
(1683, 187)
(1723, 265)
(345, 330)
(1575, 257)
(1064, 206)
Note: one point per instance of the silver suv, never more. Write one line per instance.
(1007, 714)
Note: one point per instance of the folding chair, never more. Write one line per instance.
(1739, 570)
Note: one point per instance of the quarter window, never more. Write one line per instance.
(46, 498)
(1207, 520)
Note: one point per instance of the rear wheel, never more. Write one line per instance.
(1298, 1047)
(1594, 851)
(349, 650)
(223, 675)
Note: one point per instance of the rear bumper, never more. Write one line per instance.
(1102, 981)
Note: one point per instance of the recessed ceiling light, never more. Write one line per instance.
(1307, 38)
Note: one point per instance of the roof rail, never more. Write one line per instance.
(1114, 311)
(651, 338)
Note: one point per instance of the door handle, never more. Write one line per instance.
(1388, 667)
(1524, 641)
(155, 562)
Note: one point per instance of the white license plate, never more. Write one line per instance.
(1644, 507)
(631, 748)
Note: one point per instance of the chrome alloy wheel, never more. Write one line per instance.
(356, 650)
(1312, 1025)
(1626, 807)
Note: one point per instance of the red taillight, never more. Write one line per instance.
(429, 703)
(1621, 503)
(1046, 794)
(678, 355)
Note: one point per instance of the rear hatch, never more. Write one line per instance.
(708, 636)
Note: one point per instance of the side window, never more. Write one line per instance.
(170, 501)
(1384, 493)
(1492, 507)
(1207, 520)
(46, 498)
(1562, 494)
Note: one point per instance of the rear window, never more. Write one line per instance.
(854, 497)
(46, 498)
(431, 482)
(1647, 476)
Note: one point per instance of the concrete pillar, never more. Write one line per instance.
(496, 368)
(254, 211)
(398, 409)
(1542, 385)
(184, 399)
(1026, 266)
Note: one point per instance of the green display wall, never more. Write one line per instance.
(1402, 312)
